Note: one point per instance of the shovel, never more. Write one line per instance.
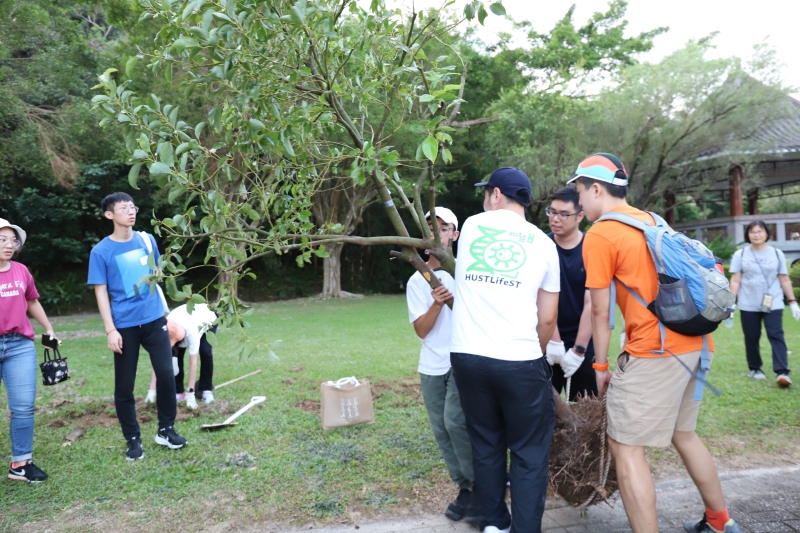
(230, 422)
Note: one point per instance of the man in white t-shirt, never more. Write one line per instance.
(506, 303)
(430, 315)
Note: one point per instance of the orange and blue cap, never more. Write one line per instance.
(602, 167)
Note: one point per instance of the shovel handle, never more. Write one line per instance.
(255, 401)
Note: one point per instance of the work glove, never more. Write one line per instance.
(554, 352)
(570, 363)
(733, 310)
(622, 340)
(175, 368)
(795, 310)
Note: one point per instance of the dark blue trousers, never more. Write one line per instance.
(508, 405)
(773, 323)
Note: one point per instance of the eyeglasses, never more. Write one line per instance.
(562, 215)
(14, 243)
(127, 209)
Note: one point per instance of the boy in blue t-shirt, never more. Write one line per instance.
(134, 318)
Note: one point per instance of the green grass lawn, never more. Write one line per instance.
(278, 466)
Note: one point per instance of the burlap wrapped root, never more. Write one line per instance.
(581, 468)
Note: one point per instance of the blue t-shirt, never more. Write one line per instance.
(573, 291)
(120, 266)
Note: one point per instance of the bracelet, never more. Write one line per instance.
(109, 332)
(602, 367)
(792, 301)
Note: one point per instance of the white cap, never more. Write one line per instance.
(446, 215)
(22, 235)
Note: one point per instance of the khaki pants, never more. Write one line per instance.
(650, 398)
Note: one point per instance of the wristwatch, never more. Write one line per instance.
(578, 349)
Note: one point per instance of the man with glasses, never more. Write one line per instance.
(133, 318)
(570, 350)
(430, 315)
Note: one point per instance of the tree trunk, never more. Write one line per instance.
(332, 276)
(226, 277)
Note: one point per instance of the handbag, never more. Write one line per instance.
(347, 402)
(149, 246)
(54, 369)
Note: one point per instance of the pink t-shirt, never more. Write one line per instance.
(16, 289)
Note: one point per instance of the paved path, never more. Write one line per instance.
(761, 501)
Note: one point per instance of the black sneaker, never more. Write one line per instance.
(456, 510)
(473, 514)
(701, 526)
(169, 437)
(28, 472)
(134, 449)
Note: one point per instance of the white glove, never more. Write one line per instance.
(733, 310)
(795, 310)
(554, 352)
(175, 369)
(622, 340)
(570, 363)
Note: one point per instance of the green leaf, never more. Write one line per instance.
(482, 14)
(469, 11)
(426, 98)
(498, 9)
(183, 43)
(199, 129)
(166, 154)
(159, 168)
(287, 145)
(299, 10)
(100, 98)
(133, 175)
(257, 125)
(447, 157)
(430, 147)
(129, 66)
(211, 337)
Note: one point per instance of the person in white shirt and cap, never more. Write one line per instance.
(430, 315)
(188, 330)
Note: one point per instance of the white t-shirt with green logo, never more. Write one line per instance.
(503, 261)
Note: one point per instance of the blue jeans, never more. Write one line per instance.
(18, 374)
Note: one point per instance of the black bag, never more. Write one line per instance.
(54, 370)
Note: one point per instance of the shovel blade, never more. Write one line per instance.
(213, 427)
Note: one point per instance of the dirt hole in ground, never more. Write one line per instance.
(309, 406)
(401, 393)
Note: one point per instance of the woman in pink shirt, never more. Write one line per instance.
(18, 298)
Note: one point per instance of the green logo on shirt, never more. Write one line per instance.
(493, 255)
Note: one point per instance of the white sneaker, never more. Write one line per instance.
(758, 374)
(492, 529)
(208, 397)
(151, 397)
(784, 380)
(191, 401)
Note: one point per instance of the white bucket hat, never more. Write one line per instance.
(20, 232)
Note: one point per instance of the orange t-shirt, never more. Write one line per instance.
(613, 249)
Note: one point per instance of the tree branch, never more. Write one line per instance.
(474, 122)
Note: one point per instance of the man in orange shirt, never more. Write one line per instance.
(650, 398)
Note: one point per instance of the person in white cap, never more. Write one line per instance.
(430, 315)
(188, 330)
(18, 299)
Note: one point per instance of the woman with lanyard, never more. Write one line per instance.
(760, 279)
(18, 299)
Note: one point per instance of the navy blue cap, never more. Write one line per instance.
(512, 182)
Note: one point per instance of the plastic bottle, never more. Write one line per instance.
(729, 322)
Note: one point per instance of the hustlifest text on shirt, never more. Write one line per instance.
(492, 280)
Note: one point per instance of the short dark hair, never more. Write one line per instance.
(617, 191)
(568, 194)
(113, 199)
(752, 225)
